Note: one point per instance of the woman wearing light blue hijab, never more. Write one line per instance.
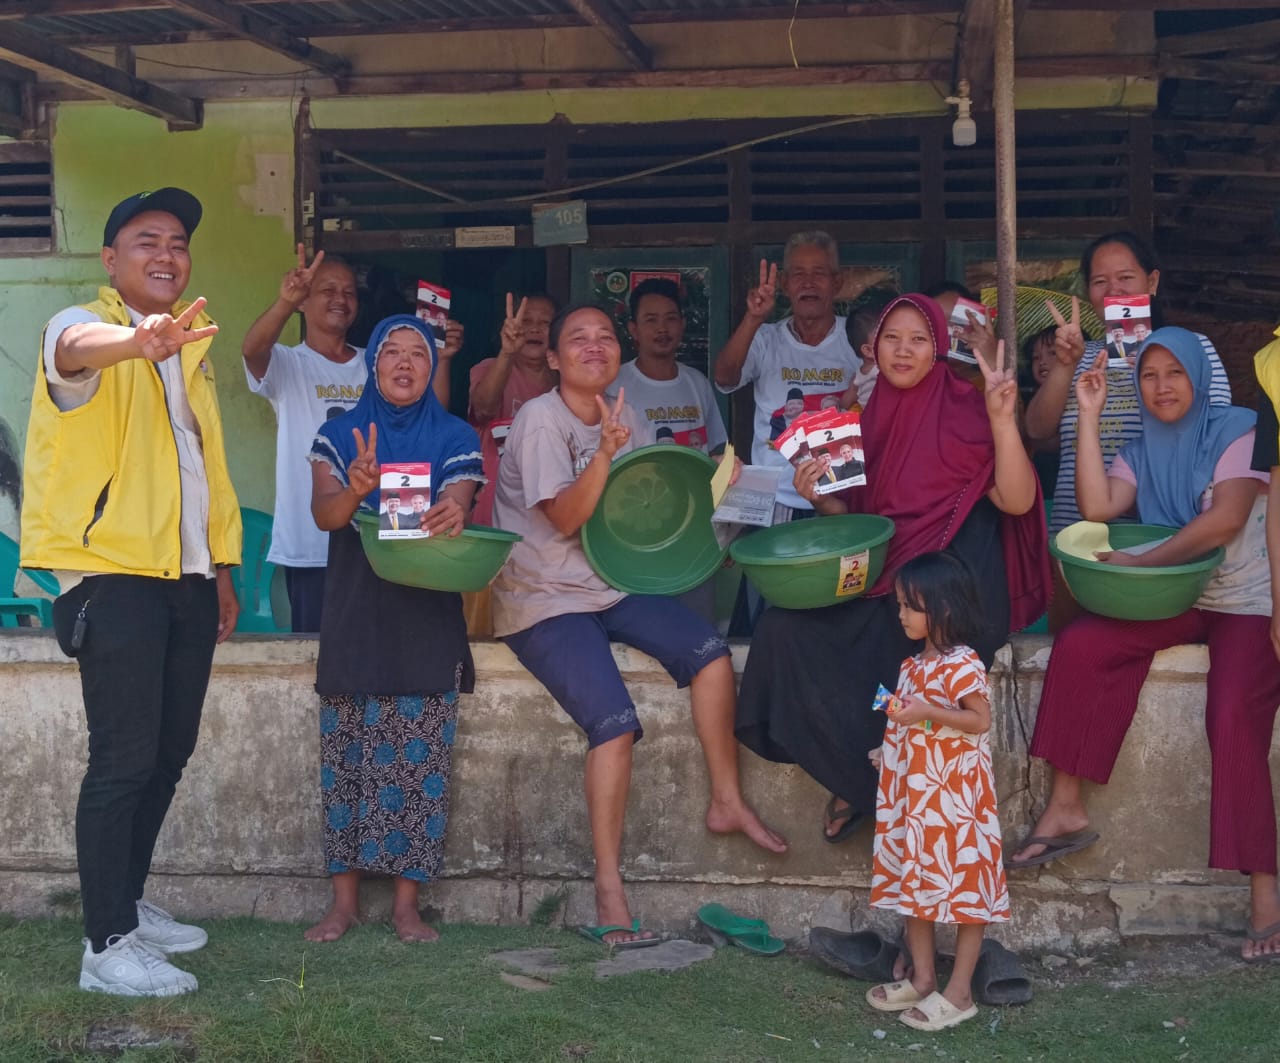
(1190, 470)
(393, 659)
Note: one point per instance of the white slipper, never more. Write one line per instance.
(898, 996)
(940, 1014)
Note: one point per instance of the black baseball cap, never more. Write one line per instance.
(181, 204)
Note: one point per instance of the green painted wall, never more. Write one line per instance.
(240, 167)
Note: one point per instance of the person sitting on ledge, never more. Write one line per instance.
(1188, 469)
(559, 617)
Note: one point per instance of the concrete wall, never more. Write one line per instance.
(244, 834)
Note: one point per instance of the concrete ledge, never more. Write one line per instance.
(244, 835)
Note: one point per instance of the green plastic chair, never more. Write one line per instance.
(253, 577)
(12, 607)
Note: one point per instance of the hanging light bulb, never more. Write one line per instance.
(964, 130)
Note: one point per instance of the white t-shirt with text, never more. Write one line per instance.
(685, 405)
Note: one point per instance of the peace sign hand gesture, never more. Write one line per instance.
(513, 327)
(613, 433)
(761, 298)
(1068, 340)
(362, 473)
(161, 336)
(296, 285)
(1091, 387)
(1000, 386)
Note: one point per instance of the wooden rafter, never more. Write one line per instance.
(1218, 70)
(1251, 38)
(614, 28)
(32, 51)
(253, 27)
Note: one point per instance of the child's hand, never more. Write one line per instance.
(913, 711)
(876, 756)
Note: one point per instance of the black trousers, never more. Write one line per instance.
(305, 587)
(144, 669)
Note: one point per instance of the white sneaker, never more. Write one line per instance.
(132, 968)
(162, 931)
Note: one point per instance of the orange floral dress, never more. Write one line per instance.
(937, 845)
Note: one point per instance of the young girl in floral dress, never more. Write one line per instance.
(937, 844)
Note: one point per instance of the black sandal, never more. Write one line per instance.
(848, 818)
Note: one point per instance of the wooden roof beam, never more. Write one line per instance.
(32, 51)
(1255, 37)
(1218, 70)
(258, 30)
(604, 16)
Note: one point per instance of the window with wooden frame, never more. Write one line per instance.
(26, 198)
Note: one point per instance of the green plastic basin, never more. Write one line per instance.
(1136, 593)
(651, 531)
(808, 564)
(467, 562)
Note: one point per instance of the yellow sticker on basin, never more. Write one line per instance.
(853, 574)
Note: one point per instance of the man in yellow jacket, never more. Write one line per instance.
(128, 501)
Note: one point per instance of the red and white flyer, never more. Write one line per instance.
(1128, 323)
(960, 350)
(433, 308)
(837, 443)
(404, 495)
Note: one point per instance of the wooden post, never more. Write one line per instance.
(1006, 181)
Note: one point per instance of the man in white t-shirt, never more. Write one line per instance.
(306, 385)
(664, 392)
(806, 352)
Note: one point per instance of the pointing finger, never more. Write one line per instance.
(1000, 356)
(617, 406)
(373, 441)
(1057, 314)
(1075, 312)
(524, 302)
(315, 265)
(360, 451)
(302, 256)
(509, 314)
(764, 272)
(773, 276)
(189, 314)
(604, 409)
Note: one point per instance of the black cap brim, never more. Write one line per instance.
(176, 201)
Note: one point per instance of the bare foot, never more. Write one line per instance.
(336, 922)
(612, 910)
(1054, 821)
(835, 822)
(409, 927)
(727, 819)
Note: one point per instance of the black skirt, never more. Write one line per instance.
(812, 674)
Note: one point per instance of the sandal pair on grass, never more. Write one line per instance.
(726, 927)
(939, 1013)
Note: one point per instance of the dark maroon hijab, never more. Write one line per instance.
(930, 458)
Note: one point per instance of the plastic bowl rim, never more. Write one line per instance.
(880, 539)
(1210, 560)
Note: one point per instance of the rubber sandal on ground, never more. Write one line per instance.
(729, 927)
(999, 979)
(939, 1012)
(597, 933)
(898, 996)
(848, 819)
(1262, 935)
(1055, 848)
(864, 955)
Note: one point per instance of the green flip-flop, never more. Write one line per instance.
(597, 933)
(750, 934)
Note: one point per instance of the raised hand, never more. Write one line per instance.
(1068, 339)
(161, 336)
(362, 473)
(980, 336)
(1000, 385)
(513, 327)
(613, 433)
(761, 298)
(296, 285)
(452, 339)
(1091, 386)
(444, 518)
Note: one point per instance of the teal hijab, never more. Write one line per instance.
(1174, 463)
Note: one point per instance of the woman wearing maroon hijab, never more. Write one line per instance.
(946, 463)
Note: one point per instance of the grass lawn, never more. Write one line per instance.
(266, 995)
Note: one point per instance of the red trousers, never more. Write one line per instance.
(1091, 692)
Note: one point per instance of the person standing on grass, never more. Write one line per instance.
(306, 384)
(393, 659)
(129, 501)
(559, 617)
(937, 844)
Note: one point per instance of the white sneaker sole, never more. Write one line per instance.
(91, 984)
(170, 950)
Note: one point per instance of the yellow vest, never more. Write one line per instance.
(101, 491)
(1266, 364)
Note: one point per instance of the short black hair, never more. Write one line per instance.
(563, 315)
(794, 393)
(940, 585)
(861, 323)
(663, 286)
(942, 287)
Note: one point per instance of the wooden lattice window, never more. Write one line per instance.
(26, 198)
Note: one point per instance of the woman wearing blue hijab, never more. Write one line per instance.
(1190, 470)
(392, 658)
